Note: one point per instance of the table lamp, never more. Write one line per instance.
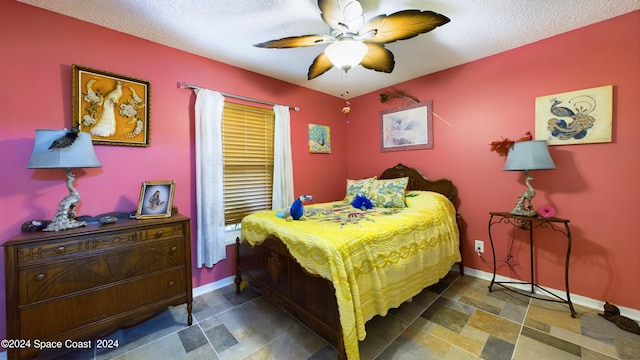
(64, 149)
(528, 155)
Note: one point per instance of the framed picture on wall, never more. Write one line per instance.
(319, 139)
(113, 108)
(156, 199)
(576, 117)
(407, 128)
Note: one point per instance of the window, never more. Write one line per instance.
(247, 148)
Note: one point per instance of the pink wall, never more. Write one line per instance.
(37, 49)
(595, 185)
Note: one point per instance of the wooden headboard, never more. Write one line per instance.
(417, 181)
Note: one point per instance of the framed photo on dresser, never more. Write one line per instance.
(156, 199)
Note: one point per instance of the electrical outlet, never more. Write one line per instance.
(479, 246)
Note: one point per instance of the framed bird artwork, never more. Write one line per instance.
(576, 117)
(113, 108)
(319, 139)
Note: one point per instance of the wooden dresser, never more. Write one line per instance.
(84, 283)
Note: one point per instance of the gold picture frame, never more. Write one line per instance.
(156, 199)
(113, 108)
(319, 139)
(407, 128)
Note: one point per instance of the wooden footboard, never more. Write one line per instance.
(277, 275)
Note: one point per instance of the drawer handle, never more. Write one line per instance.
(60, 250)
(170, 284)
(174, 249)
(39, 277)
(159, 233)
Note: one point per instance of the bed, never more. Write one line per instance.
(339, 266)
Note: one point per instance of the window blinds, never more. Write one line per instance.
(247, 147)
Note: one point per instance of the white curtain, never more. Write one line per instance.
(209, 178)
(282, 161)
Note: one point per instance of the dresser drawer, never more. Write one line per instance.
(79, 245)
(99, 305)
(45, 282)
(84, 283)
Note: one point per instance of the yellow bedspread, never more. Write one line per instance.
(377, 259)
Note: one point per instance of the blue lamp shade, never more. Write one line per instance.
(80, 154)
(529, 155)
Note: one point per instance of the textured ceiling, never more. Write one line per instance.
(225, 30)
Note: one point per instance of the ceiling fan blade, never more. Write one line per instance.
(342, 15)
(402, 25)
(296, 41)
(378, 58)
(321, 64)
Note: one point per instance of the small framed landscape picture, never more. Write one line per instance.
(407, 128)
(156, 199)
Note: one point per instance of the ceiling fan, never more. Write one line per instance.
(354, 41)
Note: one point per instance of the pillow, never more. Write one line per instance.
(362, 187)
(389, 193)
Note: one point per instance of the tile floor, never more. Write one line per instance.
(458, 318)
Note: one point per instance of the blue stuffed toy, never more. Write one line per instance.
(296, 211)
(361, 202)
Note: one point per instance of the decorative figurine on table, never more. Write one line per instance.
(612, 313)
(296, 211)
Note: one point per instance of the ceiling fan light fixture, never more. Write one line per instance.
(346, 54)
(354, 41)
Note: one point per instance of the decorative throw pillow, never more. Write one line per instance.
(362, 187)
(389, 193)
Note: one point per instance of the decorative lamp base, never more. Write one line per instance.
(64, 223)
(523, 212)
(65, 216)
(524, 207)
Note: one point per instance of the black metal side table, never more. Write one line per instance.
(527, 223)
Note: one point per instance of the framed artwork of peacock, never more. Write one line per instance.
(576, 117)
(113, 108)
(319, 139)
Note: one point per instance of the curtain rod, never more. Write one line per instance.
(184, 85)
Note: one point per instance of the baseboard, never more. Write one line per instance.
(218, 284)
(576, 299)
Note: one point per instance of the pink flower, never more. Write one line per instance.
(547, 211)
